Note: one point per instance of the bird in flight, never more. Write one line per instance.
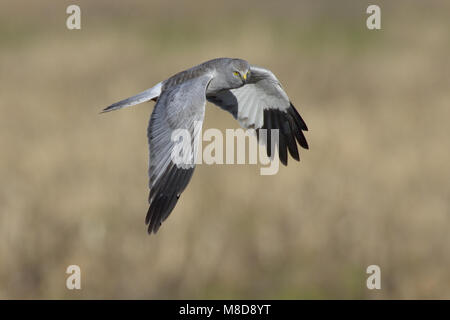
(253, 95)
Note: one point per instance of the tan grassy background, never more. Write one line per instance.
(373, 188)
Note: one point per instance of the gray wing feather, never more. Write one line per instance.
(263, 104)
(180, 106)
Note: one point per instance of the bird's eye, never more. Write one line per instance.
(237, 74)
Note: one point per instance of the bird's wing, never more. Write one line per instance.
(262, 104)
(173, 135)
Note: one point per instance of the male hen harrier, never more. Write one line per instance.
(253, 95)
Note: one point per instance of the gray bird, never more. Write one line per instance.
(253, 95)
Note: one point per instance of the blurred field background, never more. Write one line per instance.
(373, 188)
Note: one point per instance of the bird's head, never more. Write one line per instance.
(239, 71)
(229, 74)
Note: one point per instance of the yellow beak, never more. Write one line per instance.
(244, 77)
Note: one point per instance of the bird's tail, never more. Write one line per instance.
(144, 96)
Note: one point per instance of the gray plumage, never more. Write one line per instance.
(253, 95)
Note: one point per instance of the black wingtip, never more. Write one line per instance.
(164, 195)
(148, 216)
(298, 118)
(295, 156)
(291, 126)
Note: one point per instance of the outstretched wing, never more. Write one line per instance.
(173, 135)
(262, 104)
